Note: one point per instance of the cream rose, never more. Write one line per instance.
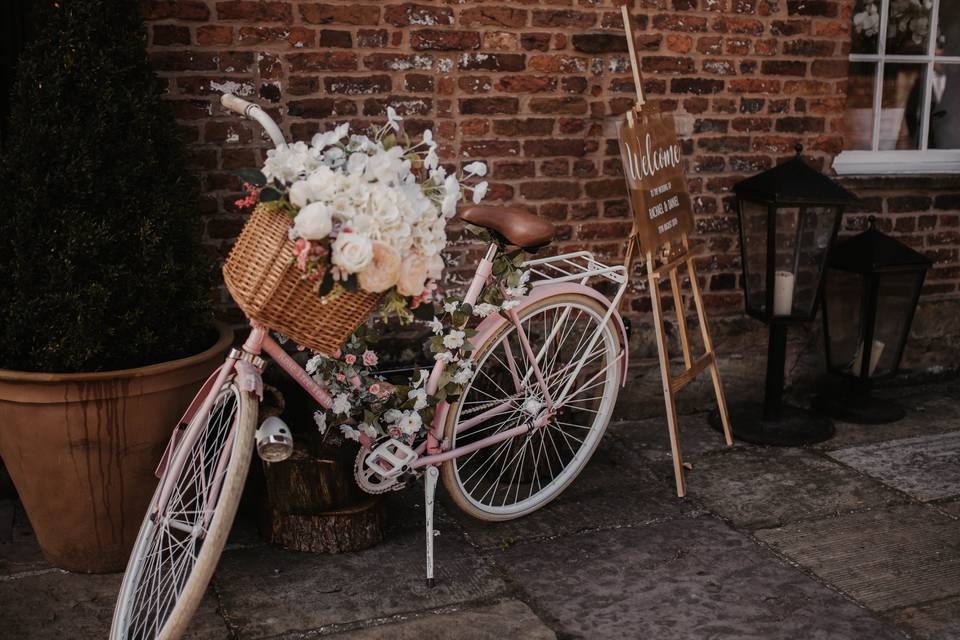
(383, 271)
(313, 222)
(413, 275)
(352, 252)
(435, 267)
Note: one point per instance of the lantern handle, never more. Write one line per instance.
(872, 222)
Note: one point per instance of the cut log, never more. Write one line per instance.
(304, 484)
(352, 528)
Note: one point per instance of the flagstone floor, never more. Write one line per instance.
(855, 538)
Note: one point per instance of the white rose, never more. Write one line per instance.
(313, 222)
(454, 339)
(341, 404)
(352, 252)
(300, 193)
(419, 396)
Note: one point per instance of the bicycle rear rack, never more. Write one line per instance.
(578, 266)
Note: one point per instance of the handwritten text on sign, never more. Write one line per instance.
(653, 167)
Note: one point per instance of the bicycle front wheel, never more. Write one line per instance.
(523, 473)
(180, 541)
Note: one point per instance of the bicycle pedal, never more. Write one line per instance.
(391, 458)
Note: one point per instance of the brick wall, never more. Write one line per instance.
(536, 88)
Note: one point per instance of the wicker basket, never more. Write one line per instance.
(264, 281)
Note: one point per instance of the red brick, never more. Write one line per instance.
(405, 15)
(209, 35)
(493, 17)
(255, 11)
(444, 40)
(353, 14)
(168, 34)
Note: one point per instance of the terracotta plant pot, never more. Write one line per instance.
(82, 448)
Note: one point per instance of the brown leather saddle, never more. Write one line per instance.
(514, 225)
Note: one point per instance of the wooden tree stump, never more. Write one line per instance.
(313, 504)
(353, 528)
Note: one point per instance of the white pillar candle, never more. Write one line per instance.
(782, 293)
(875, 353)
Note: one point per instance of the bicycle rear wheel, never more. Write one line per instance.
(180, 542)
(519, 475)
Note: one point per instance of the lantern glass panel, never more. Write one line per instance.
(843, 306)
(896, 298)
(753, 223)
(803, 237)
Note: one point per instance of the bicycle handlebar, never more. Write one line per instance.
(254, 112)
(232, 102)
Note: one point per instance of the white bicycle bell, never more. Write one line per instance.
(274, 440)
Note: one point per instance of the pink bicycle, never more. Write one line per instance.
(546, 379)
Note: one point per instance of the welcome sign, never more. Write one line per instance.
(653, 167)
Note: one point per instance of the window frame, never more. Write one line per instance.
(900, 162)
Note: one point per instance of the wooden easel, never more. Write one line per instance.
(670, 257)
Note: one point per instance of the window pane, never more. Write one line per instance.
(866, 27)
(858, 118)
(948, 44)
(945, 107)
(901, 112)
(908, 27)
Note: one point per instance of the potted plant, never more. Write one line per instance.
(107, 329)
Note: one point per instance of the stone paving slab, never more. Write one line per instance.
(683, 579)
(19, 551)
(650, 440)
(952, 507)
(926, 467)
(938, 620)
(612, 491)
(885, 558)
(930, 410)
(57, 605)
(769, 486)
(266, 591)
(508, 620)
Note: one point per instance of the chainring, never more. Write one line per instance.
(368, 479)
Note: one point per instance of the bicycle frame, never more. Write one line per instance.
(434, 446)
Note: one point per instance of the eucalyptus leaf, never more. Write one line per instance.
(253, 176)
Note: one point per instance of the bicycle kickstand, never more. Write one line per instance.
(430, 490)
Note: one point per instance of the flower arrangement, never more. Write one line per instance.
(908, 24)
(367, 212)
(366, 403)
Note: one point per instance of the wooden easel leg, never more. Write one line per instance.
(664, 353)
(708, 346)
(681, 317)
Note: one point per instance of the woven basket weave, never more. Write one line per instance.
(264, 281)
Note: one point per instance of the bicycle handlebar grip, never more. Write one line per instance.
(234, 103)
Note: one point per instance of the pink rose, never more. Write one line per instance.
(375, 389)
(350, 358)
(370, 359)
(355, 381)
(340, 377)
(383, 271)
(413, 275)
(395, 432)
(337, 353)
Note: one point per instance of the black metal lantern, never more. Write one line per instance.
(789, 217)
(871, 290)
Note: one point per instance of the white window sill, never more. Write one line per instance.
(897, 163)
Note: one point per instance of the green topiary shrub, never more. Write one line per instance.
(100, 262)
